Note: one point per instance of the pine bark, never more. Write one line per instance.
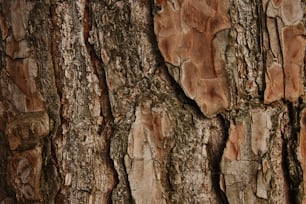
(165, 101)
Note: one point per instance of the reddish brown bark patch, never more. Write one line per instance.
(287, 45)
(146, 155)
(23, 73)
(211, 97)
(186, 32)
(274, 83)
(294, 46)
(235, 140)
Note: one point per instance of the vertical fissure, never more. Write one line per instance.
(97, 65)
(215, 156)
(4, 146)
(292, 170)
(260, 27)
(98, 69)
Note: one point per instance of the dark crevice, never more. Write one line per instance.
(127, 184)
(98, 66)
(215, 153)
(261, 25)
(290, 164)
(4, 99)
(285, 168)
(49, 174)
(5, 188)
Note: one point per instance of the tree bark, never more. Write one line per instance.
(165, 101)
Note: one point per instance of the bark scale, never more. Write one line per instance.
(152, 101)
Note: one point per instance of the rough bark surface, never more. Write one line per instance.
(165, 101)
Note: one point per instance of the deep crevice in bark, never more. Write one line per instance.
(126, 179)
(261, 25)
(292, 170)
(4, 150)
(5, 189)
(215, 156)
(285, 165)
(97, 65)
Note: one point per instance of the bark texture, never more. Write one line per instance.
(165, 101)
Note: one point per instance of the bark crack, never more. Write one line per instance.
(215, 157)
(260, 27)
(292, 170)
(106, 113)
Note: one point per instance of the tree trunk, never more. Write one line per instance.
(165, 101)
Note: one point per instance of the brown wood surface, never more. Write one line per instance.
(165, 101)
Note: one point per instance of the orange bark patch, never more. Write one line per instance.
(293, 50)
(22, 73)
(235, 140)
(210, 96)
(161, 2)
(274, 83)
(189, 79)
(146, 155)
(186, 31)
